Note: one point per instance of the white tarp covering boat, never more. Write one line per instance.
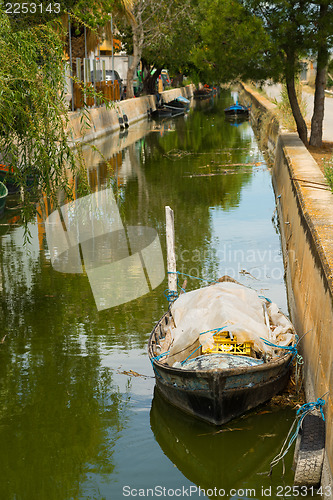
(237, 309)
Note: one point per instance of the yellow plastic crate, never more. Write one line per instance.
(223, 343)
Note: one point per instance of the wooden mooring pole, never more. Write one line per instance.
(171, 254)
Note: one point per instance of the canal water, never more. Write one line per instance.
(78, 415)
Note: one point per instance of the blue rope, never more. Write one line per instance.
(307, 407)
(289, 348)
(263, 297)
(171, 295)
(300, 415)
(159, 356)
(215, 330)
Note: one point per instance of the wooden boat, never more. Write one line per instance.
(237, 110)
(7, 178)
(178, 105)
(3, 196)
(204, 93)
(208, 389)
(161, 112)
(220, 350)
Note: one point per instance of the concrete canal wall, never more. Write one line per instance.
(305, 207)
(103, 121)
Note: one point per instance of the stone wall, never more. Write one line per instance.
(103, 121)
(305, 208)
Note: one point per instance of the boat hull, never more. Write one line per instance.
(218, 396)
(203, 94)
(10, 182)
(237, 113)
(161, 113)
(3, 197)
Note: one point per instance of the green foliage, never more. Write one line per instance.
(33, 136)
(328, 171)
(169, 31)
(94, 13)
(233, 44)
(177, 36)
(287, 23)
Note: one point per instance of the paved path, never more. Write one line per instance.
(274, 91)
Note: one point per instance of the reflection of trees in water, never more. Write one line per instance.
(208, 144)
(60, 412)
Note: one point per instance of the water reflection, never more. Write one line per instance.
(234, 456)
(70, 416)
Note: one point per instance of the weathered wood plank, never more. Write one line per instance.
(171, 254)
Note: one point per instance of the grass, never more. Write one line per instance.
(284, 109)
(328, 171)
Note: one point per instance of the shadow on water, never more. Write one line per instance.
(235, 456)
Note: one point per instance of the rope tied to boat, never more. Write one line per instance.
(267, 299)
(307, 407)
(290, 348)
(172, 295)
(215, 330)
(301, 413)
(159, 356)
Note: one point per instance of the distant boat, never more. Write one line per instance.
(3, 196)
(237, 110)
(178, 105)
(7, 178)
(161, 112)
(204, 93)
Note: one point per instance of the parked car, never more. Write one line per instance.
(110, 76)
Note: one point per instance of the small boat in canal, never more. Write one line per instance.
(178, 105)
(3, 197)
(221, 350)
(161, 112)
(7, 178)
(204, 93)
(237, 110)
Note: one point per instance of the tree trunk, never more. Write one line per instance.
(297, 114)
(138, 37)
(149, 83)
(316, 137)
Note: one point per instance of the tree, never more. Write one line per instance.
(171, 46)
(299, 28)
(323, 38)
(152, 24)
(33, 137)
(34, 123)
(233, 42)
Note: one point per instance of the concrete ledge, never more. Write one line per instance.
(305, 208)
(259, 100)
(102, 121)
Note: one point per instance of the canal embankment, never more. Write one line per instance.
(305, 208)
(92, 123)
